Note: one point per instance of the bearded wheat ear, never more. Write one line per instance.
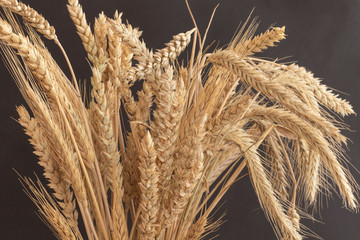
(311, 177)
(278, 170)
(321, 92)
(264, 189)
(244, 70)
(50, 212)
(314, 138)
(36, 20)
(51, 167)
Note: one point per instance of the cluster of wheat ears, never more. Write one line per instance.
(154, 164)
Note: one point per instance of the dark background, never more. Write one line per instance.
(322, 36)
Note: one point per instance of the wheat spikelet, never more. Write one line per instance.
(130, 37)
(292, 82)
(99, 106)
(295, 219)
(169, 102)
(116, 59)
(33, 58)
(278, 170)
(118, 66)
(129, 172)
(197, 229)
(228, 157)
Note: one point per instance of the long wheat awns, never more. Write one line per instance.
(159, 169)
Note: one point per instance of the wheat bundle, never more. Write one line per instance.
(192, 130)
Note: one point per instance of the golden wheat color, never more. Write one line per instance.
(154, 164)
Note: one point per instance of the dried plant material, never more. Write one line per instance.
(32, 17)
(49, 210)
(83, 29)
(149, 194)
(261, 42)
(156, 163)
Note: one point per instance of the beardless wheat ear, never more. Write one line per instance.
(84, 31)
(32, 17)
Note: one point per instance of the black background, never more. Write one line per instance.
(323, 36)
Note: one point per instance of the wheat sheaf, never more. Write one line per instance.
(155, 163)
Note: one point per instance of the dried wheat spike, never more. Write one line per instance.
(130, 37)
(33, 58)
(263, 187)
(189, 166)
(278, 171)
(311, 162)
(173, 48)
(314, 138)
(322, 93)
(170, 101)
(273, 90)
(32, 17)
(291, 81)
(50, 211)
(149, 194)
(162, 57)
(84, 31)
(101, 33)
(261, 42)
(197, 229)
(51, 168)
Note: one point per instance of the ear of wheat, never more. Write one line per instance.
(192, 130)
